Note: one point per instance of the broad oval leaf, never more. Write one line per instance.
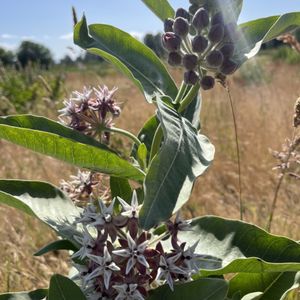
(201, 289)
(63, 288)
(120, 187)
(183, 157)
(51, 138)
(161, 8)
(57, 245)
(43, 201)
(33, 295)
(130, 56)
(257, 32)
(241, 247)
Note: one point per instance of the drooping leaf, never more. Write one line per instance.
(201, 289)
(41, 200)
(130, 56)
(241, 247)
(257, 32)
(265, 286)
(55, 246)
(33, 295)
(63, 288)
(161, 8)
(120, 188)
(183, 157)
(51, 138)
(192, 112)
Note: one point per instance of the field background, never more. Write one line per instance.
(264, 92)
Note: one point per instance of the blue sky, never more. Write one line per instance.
(50, 21)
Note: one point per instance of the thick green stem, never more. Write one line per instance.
(189, 97)
(181, 92)
(125, 133)
(156, 142)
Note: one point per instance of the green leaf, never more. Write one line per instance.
(51, 138)
(183, 157)
(161, 8)
(130, 56)
(34, 295)
(142, 154)
(275, 286)
(41, 200)
(201, 289)
(120, 187)
(241, 247)
(192, 112)
(55, 246)
(63, 288)
(257, 32)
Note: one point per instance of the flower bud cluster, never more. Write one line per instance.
(202, 42)
(119, 260)
(91, 112)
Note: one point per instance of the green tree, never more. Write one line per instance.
(7, 58)
(34, 53)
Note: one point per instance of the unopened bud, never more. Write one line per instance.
(191, 77)
(181, 12)
(199, 43)
(174, 59)
(190, 61)
(193, 8)
(228, 67)
(227, 50)
(207, 82)
(216, 33)
(181, 26)
(171, 41)
(168, 25)
(217, 19)
(201, 19)
(215, 58)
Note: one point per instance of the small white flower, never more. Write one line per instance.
(182, 225)
(69, 109)
(106, 214)
(130, 211)
(135, 253)
(88, 215)
(105, 267)
(83, 97)
(86, 241)
(191, 259)
(128, 292)
(167, 267)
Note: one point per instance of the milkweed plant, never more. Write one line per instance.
(131, 241)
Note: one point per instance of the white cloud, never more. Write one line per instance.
(8, 46)
(28, 37)
(137, 34)
(67, 36)
(8, 36)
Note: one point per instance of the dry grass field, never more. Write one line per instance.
(264, 93)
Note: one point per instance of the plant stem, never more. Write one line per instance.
(156, 141)
(237, 151)
(125, 133)
(189, 97)
(279, 183)
(181, 92)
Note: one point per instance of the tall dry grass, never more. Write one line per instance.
(264, 93)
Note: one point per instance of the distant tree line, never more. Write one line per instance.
(34, 53)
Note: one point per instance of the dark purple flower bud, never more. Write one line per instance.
(216, 33)
(181, 26)
(201, 19)
(171, 41)
(199, 43)
(217, 19)
(215, 58)
(228, 67)
(190, 61)
(168, 25)
(227, 50)
(191, 77)
(181, 12)
(193, 8)
(207, 82)
(174, 59)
